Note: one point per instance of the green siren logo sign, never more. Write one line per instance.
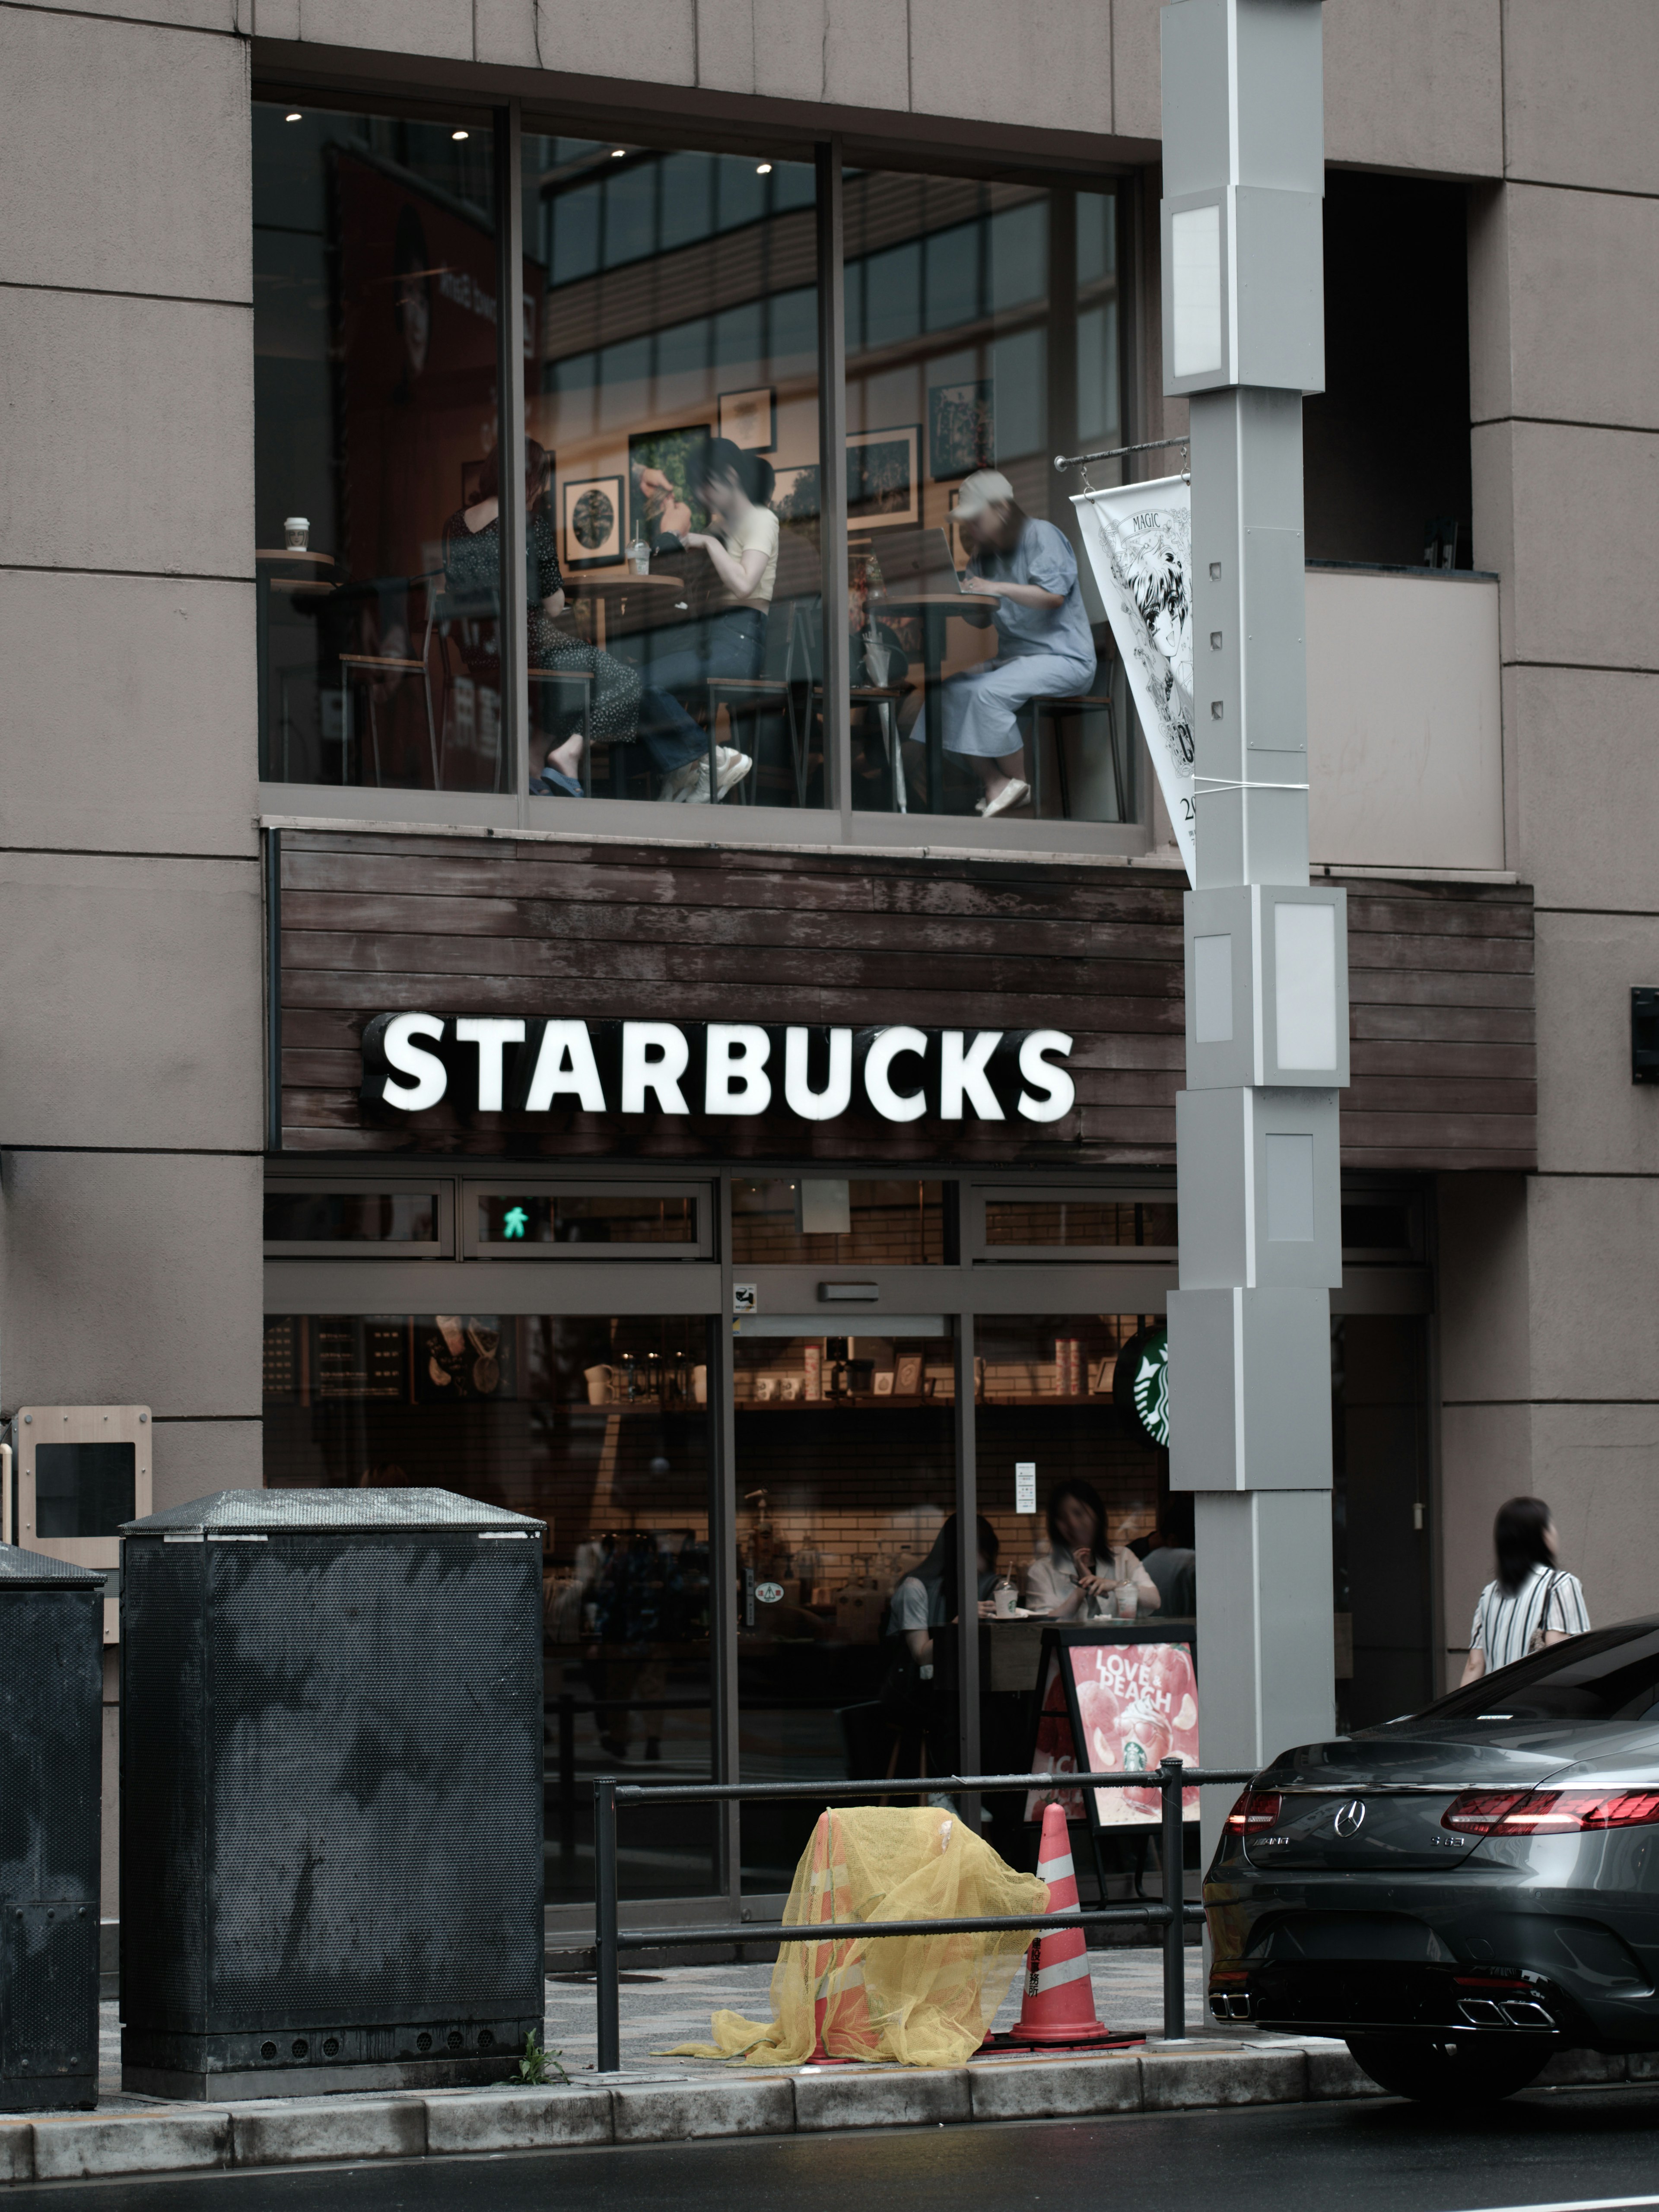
(1140, 1383)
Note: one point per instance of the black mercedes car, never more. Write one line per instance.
(1463, 1892)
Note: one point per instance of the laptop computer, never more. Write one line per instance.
(915, 562)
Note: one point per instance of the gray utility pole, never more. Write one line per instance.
(1266, 953)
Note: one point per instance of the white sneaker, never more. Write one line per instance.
(677, 784)
(730, 766)
(1012, 794)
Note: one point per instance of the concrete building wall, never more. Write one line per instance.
(129, 946)
(1564, 318)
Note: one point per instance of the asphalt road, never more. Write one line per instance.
(1562, 2149)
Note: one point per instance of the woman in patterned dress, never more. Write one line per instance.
(472, 565)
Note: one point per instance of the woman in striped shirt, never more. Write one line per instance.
(1532, 1602)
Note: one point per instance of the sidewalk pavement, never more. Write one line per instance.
(651, 2100)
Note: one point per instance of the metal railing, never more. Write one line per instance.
(611, 1941)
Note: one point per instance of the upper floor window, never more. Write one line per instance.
(376, 279)
(693, 609)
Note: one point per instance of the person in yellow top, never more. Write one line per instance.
(734, 486)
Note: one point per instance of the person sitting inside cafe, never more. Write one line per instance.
(1045, 648)
(734, 485)
(1084, 1571)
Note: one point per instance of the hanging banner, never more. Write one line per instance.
(1140, 542)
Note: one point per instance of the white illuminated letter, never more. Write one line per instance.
(735, 1080)
(654, 1056)
(1057, 1090)
(491, 1034)
(962, 1081)
(431, 1077)
(893, 1105)
(565, 1065)
(798, 1093)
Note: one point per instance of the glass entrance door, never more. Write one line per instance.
(845, 1475)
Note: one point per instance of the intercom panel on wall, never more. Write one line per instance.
(81, 1471)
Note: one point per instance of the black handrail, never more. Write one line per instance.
(611, 1940)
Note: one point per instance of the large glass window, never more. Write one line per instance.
(981, 337)
(673, 336)
(599, 1428)
(376, 451)
(805, 1221)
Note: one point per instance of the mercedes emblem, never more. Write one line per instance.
(1350, 1818)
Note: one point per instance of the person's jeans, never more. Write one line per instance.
(733, 644)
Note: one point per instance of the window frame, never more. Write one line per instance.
(473, 1246)
(978, 1252)
(326, 1185)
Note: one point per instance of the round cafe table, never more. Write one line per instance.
(934, 608)
(627, 603)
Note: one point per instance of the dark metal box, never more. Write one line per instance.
(51, 1646)
(331, 1793)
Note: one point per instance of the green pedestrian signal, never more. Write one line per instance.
(514, 1221)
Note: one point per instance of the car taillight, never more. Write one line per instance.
(1549, 1812)
(1255, 1810)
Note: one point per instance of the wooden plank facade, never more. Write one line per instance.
(1441, 987)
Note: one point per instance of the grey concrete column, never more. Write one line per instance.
(1256, 1141)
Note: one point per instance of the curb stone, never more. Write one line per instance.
(674, 2111)
(1057, 2090)
(82, 2149)
(1164, 2077)
(518, 2119)
(283, 2134)
(855, 2098)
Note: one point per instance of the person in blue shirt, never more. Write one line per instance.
(1045, 648)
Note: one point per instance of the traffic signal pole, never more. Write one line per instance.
(1266, 951)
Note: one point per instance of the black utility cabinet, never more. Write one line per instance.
(331, 1793)
(51, 1698)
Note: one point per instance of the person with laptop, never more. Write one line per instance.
(1045, 649)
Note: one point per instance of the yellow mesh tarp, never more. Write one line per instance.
(911, 2000)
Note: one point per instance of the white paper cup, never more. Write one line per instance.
(296, 531)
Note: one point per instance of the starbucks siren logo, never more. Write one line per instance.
(1142, 1383)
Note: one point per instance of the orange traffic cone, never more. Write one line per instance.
(842, 2016)
(1060, 1999)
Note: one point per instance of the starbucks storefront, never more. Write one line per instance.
(743, 1257)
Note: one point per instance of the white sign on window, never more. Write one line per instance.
(1025, 1486)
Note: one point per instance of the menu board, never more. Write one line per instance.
(1130, 1701)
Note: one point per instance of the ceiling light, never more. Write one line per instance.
(616, 153)
(762, 168)
(293, 116)
(459, 135)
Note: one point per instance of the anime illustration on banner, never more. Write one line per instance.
(1134, 1706)
(1140, 542)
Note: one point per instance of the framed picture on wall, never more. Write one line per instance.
(590, 521)
(883, 478)
(659, 475)
(962, 428)
(750, 419)
(796, 495)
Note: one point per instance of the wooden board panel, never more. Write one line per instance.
(1441, 987)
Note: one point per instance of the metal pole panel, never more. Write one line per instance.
(1242, 299)
(606, 1987)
